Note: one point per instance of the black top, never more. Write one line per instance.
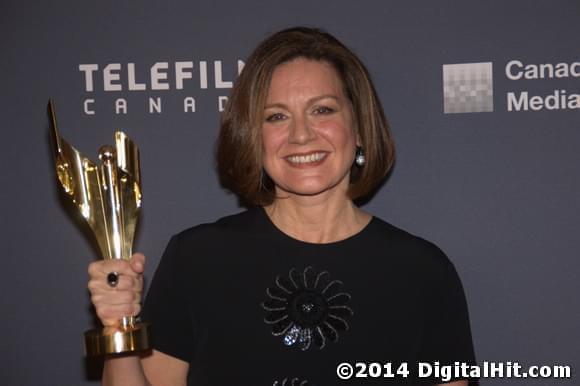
(245, 304)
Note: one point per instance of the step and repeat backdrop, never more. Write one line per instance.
(483, 99)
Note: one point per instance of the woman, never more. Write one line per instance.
(304, 280)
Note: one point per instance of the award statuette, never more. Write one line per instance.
(108, 196)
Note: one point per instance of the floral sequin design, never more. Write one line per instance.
(307, 308)
(292, 382)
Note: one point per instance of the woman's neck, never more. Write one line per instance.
(317, 219)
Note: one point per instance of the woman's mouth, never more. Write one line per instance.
(305, 159)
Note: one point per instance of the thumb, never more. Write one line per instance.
(137, 262)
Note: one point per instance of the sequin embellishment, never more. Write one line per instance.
(307, 309)
(292, 382)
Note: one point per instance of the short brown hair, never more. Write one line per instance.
(239, 146)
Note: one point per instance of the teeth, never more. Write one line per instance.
(302, 159)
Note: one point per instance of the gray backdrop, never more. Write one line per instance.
(497, 190)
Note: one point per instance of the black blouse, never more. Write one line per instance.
(245, 304)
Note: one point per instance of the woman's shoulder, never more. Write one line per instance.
(408, 245)
(233, 224)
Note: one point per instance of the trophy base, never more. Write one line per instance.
(117, 340)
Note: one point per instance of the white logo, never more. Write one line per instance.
(467, 88)
(126, 87)
(557, 99)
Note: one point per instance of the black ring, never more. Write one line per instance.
(113, 279)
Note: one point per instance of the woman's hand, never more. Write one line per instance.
(123, 299)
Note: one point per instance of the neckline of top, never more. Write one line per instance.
(280, 233)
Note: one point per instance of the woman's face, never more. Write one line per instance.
(308, 132)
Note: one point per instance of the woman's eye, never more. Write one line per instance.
(275, 117)
(323, 110)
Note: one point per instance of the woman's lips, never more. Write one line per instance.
(308, 159)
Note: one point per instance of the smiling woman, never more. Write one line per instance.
(304, 279)
(308, 134)
(265, 77)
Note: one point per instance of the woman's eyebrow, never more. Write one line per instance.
(310, 101)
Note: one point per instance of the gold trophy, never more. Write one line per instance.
(108, 196)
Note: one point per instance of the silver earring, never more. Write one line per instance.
(359, 158)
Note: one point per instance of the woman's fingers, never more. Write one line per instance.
(111, 314)
(104, 267)
(124, 283)
(113, 302)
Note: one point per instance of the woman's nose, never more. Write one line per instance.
(301, 131)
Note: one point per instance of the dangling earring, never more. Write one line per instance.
(359, 158)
